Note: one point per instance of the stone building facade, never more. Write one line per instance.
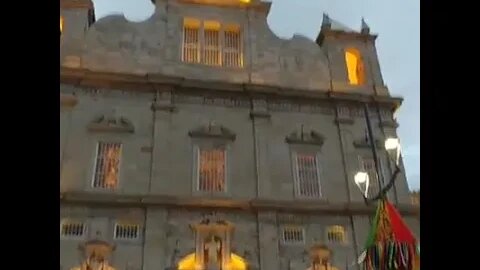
(197, 139)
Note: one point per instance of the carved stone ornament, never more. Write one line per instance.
(99, 248)
(364, 143)
(320, 257)
(212, 130)
(111, 124)
(96, 254)
(305, 137)
(213, 242)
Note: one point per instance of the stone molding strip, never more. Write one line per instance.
(153, 82)
(304, 206)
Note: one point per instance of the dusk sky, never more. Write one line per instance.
(396, 22)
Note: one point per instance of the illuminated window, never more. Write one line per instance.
(61, 25)
(72, 229)
(293, 235)
(107, 165)
(211, 44)
(191, 41)
(126, 231)
(211, 48)
(232, 52)
(211, 170)
(367, 164)
(355, 68)
(336, 234)
(307, 180)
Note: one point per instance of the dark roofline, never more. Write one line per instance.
(342, 34)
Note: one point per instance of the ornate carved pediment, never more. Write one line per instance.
(320, 257)
(364, 143)
(98, 248)
(96, 254)
(111, 123)
(303, 136)
(212, 130)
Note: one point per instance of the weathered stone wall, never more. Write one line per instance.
(169, 237)
(158, 153)
(100, 223)
(160, 146)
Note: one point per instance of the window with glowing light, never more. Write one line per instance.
(126, 231)
(293, 235)
(211, 170)
(212, 44)
(211, 47)
(306, 175)
(191, 41)
(72, 229)
(336, 234)
(232, 52)
(355, 67)
(107, 165)
(61, 25)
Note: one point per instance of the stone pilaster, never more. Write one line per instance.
(154, 253)
(268, 239)
(261, 123)
(161, 164)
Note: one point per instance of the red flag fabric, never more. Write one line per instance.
(400, 231)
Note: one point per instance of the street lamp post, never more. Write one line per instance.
(392, 145)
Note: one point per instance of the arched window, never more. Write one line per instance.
(355, 67)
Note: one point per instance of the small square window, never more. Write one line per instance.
(293, 235)
(336, 234)
(72, 229)
(124, 231)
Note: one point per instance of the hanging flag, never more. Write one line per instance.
(390, 244)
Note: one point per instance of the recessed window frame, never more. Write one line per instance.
(95, 164)
(313, 151)
(367, 159)
(336, 229)
(294, 229)
(360, 64)
(70, 221)
(202, 26)
(210, 144)
(117, 226)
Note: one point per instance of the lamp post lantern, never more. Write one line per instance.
(361, 178)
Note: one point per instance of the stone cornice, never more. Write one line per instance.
(305, 137)
(111, 124)
(71, 4)
(157, 82)
(260, 6)
(362, 143)
(212, 131)
(338, 34)
(308, 206)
